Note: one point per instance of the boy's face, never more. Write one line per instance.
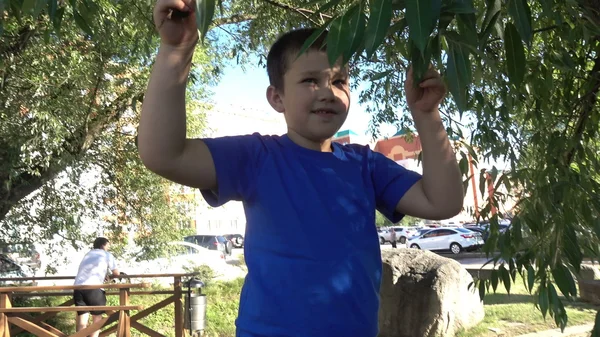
(315, 98)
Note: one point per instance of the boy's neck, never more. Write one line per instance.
(321, 146)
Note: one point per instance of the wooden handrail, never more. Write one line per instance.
(74, 287)
(61, 309)
(108, 293)
(126, 276)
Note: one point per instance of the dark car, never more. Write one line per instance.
(236, 239)
(10, 268)
(212, 242)
(22, 253)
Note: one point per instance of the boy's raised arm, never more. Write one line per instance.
(439, 194)
(162, 142)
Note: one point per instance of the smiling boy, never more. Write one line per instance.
(299, 190)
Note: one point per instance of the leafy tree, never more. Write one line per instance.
(523, 77)
(381, 220)
(70, 91)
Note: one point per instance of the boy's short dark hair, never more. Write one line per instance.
(100, 242)
(286, 48)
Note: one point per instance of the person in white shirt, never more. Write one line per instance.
(93, 270)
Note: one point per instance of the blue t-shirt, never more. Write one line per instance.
(311, 245)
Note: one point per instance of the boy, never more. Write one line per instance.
(299, 190)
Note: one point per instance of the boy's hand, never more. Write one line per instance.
(175, 21)
(427, 96)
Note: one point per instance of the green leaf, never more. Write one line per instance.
(52, 7)
(420, 63)
(39, 7)
(380, 75)
(530, 278)
(463, 164)
(572, 247)
(505, 278)
(482, 181)
(378, 24)
(331, 4)
(356, 31)
(485, 34)
(399, 26)
(494, 279)
(336, 43)
(28, 6)
(492, 8)
(596, 330)
(313, 38)
(445, 19)
(543, 300)
(421, 17)
(481, 289)
(458, 74)
(521, 13)
(82, 23)
(205, 11)
(60, 12)
(515, 55)
(459, 7)
(564, 280)
(467, 26)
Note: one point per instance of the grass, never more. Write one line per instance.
(515, 314)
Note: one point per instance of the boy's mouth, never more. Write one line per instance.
(324, 112)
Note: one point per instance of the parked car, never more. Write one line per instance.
(236, 239)
(441, 239)
(22, 253)
(10, 268)
(212, 242)
(402, 234)
(180, 258)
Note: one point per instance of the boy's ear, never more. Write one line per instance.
(275, 99)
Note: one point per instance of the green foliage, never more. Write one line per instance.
(204, 273)
(70, 108)
(523, 92)
(381, 220)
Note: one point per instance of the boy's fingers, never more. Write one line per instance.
(180, 5)
(431, 82)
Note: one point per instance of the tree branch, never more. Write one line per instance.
(235, 18)
(535, 31)
(302, 11)
(587, 107)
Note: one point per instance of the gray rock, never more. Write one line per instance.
(589, 273)
(426, 295)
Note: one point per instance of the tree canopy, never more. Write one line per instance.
(523, 78)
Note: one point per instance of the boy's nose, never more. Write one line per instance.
(325, 94)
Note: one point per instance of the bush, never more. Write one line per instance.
(205, 273)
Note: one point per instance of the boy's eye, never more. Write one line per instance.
(340, 81)
(309, 80)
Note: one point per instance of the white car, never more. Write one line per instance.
(454, 239)
(183, 256)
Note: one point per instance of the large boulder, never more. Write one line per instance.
(424, 294)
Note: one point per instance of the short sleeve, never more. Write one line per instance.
(112, 265)
(391, 181)
(237, 162)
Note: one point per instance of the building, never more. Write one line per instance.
(405, 149)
